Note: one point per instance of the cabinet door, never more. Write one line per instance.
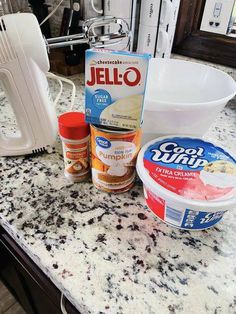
(36, 293)
(10, 277)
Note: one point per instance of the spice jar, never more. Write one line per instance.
(74, 133)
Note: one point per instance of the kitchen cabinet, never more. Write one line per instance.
(34, 291)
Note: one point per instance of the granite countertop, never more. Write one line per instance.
(108, 253)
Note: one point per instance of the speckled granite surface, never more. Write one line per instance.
(107, 253)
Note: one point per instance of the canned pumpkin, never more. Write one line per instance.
(113, 156)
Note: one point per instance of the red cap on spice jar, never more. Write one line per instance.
(72, 125)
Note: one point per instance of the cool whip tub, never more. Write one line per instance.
(189, 183)
(115, 85)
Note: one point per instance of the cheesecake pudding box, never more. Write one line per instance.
(115, 83)
(114, 88)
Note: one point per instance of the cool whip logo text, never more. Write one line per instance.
(171, 152)
(112, 76)
(212, 217)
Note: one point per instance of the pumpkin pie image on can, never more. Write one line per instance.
(113, 158)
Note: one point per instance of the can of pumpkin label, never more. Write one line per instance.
(113, 158)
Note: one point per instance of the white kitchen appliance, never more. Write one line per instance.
(157, 27)
(148, 26)
(23, 64)
(23, 67)
(155, 17)
(166, 31)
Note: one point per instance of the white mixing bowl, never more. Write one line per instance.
(183, 97)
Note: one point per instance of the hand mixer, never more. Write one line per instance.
(23, 67)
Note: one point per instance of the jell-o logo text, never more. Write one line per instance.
(112, 76)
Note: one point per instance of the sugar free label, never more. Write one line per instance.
(101, 99)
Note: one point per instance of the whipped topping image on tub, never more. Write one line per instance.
(189, 183)
(219, 173)
(113, 158)
(115, 85)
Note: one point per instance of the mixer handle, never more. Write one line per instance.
(14, 142)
